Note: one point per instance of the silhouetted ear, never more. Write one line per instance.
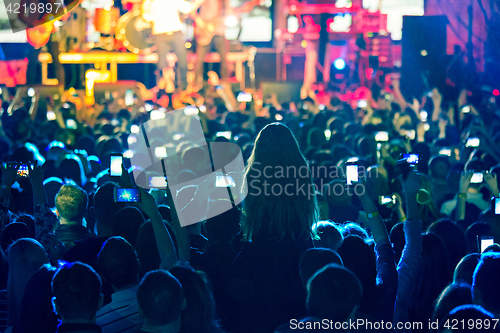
(54, 305)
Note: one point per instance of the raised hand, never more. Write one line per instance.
(465, 179)
(147, 203)
(490, 180)
(9, 173)
(35, 173)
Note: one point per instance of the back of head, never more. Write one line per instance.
(127, 222)
(485, 282)
(314, 259)
(118, 263)
(199, 314)
(160, 298)
(12, 232)
(77, 292)
(105, 208)
(360, 259)
(354, 229)
(25, 257)
(71, 203)
(278, 204)
(329, 235)
(37, 314)
(333, 293)
(475, 231)
(433, 276)
(454, 295)
(453, 238)
(465, 268)
(465, 313)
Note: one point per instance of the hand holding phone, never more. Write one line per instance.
(382, 136)
(126, 195)
(224, 134)
(412, 159)
(473, 142)
(352, 173)
(477, 178)
(386, 200)
(244, 97)
(495, 205)
(115, 165)
(23, 171)
(157, 182)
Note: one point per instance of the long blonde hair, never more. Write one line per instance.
(25, 256)
(286, 207)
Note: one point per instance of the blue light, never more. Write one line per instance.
(339, 64)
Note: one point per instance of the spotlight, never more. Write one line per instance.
(231, 21)
(496, 92)
(339, 64)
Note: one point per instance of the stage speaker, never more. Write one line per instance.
(423, 54)
(285, 91)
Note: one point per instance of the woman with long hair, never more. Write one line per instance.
(25, 257)
(278, 213)
(281, 201)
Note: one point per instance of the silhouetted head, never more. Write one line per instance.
(333, 293)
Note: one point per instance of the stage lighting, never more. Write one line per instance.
(157, 114)
(496, 92)
(134, 129)
(231, 21)
(339, 64)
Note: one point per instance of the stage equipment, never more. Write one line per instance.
(135, 33)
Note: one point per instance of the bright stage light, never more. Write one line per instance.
(231, 21)
(339, 64)
(134, 129)
(157, 114)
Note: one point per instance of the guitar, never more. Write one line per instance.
(205, 31)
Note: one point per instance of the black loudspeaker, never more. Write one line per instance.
(285, 91)
(423, 54)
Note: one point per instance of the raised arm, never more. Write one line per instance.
(164, 242)
(410, 260)
(9, 175)
(465, 179)
(375, 221)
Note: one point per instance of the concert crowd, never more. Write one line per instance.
(407, 243)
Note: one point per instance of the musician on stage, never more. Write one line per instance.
(212, 14)
(164, 15)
